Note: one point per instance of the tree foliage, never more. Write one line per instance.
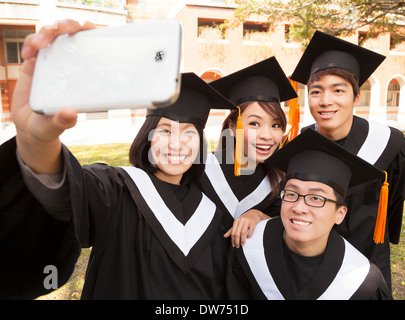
(335, 17)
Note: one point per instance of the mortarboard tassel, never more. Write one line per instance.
(238, 145)
(379, 230)
(293, 117)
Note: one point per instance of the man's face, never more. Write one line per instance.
(331, 103)
(307, 228)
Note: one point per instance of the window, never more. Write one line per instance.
(13, 42)
(250, 29)
(393, 94)
(287, 34)
(211, 29)
(365, 95)
(362, 37)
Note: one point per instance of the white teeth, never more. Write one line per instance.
(327, 113)
(176, 158)
(263, 147)
(301, 223)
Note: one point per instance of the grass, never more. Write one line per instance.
(117, 155)
(398, 266)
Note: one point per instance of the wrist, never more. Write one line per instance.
(43, 157)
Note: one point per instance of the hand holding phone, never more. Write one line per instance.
(130, 66)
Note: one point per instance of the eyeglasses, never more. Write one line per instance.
(312, 200)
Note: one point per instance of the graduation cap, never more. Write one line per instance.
(263, 81)
(325, 51)
(195, 100)
(313, 157)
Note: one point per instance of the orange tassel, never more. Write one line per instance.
(379, 230)
(293, 117)
(238, 145)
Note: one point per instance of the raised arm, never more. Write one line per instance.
(38, 140)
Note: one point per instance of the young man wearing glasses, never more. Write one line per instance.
(298, 255)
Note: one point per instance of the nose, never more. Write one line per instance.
(266, 133)
(326, 99)
(174, 142)
(300, 206)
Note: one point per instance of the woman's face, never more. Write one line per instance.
(174, 147)
(261, 133)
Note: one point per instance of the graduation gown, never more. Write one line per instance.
(30, 238)
(384, 147)
(236, 195)
(262, 270)
(148, 243)
(149, 239)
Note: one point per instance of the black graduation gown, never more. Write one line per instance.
(235, 195)
(30, 238)
(134, 255)
(383, 147)
(259, 270)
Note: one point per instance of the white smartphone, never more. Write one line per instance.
(130, 66)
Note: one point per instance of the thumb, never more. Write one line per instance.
(65, 118)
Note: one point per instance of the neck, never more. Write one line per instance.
(306, 249)
(338, 133)
(167, 178)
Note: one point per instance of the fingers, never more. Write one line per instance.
(242, 229)
(237, 233)
(47, 34)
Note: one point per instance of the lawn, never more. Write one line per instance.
(117, 155)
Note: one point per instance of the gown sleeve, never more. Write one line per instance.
(30, 237)
(374, 287)
(396, 180)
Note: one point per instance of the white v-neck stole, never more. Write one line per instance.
(184, 236)
(375, 143)
(255, 256)
(352, 273)
(221, 186)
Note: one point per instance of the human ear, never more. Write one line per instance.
(340, 214)
(356, 101)
(231, 127)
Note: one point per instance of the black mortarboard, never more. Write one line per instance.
(263, 81)
(195, 100)
(325, 51)
(313, 157)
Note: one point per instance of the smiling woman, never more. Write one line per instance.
(263, 129)
(137, 220)
(174, 148)
(257, 91)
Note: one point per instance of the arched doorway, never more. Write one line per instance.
(212, 75)
(394, 97)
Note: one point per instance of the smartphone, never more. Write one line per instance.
(130, 66)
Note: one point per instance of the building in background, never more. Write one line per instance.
(209, 50)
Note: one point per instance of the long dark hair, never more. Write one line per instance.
(273, 109)
(139, 152)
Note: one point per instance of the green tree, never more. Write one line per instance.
(335, 17)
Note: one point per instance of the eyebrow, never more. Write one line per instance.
(255, 116)
(315, 189)
(163, 125)
(337, 84)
